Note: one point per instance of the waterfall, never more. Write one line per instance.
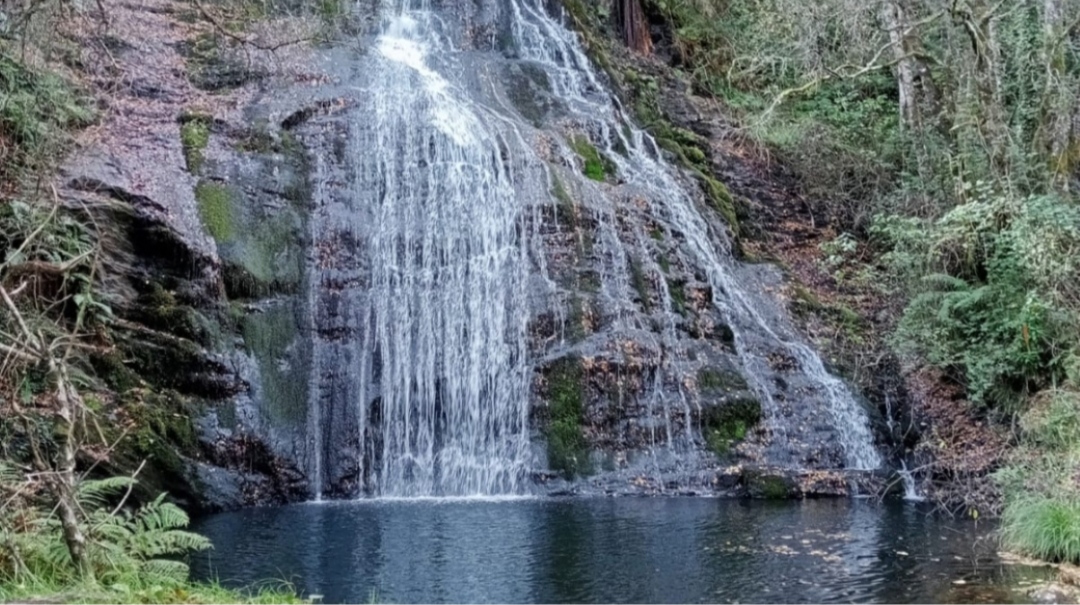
(444, 338)
(911, 490)
(447, 188)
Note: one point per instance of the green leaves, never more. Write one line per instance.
(992, 280)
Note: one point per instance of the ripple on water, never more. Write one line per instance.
(613, 550)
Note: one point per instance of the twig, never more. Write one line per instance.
(241, 39)
(130, 487)
(33, 342)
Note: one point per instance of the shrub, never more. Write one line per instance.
(993, 282)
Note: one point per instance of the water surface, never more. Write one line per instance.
(619, 550)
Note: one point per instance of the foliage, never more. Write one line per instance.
(993, 282)
(37, 108)
(1044, 527)
(135, 555)
(1042, 499)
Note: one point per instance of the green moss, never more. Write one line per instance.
(712, 379)
(270, 336)
(194, 138)
(720, 198)
(767, 486)
(567, 209)
(597, 167)
(163, 361)
(299, 188)
(677, 294)
(163, 429)
(216, 208)
(267, 259)
(578, 320)
(727, 424)
(110, 367)
(640, 283)
(567, 448)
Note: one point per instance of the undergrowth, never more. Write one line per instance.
(132, 555)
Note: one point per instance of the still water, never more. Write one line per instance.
(618, 550)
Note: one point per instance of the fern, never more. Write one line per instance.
(145, 542)
(95, 493)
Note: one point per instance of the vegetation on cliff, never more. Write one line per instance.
(939, 142)
(90, 426)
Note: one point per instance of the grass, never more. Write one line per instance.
(1043, 526)
(133, 588)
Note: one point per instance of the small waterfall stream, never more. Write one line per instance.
(450, 192)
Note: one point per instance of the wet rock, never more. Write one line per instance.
(1053, 594)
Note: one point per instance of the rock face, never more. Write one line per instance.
(241, 254)
(655, 362)
(197, 201)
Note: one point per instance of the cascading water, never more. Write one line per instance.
(449, 187)
(548, 43)
(444, 339)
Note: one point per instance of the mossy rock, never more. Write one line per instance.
(217, 209)
(529, 90)
(728, 423)
(270, 336)
(157, 433)
(720, 380)
(194, 139)
(266, 259)
(110, 368)
(567, 447)
(212, 67)
(766, 485)
(676, 290)
(596, 165)
(640, 283)
(167, 361)
(158, 308)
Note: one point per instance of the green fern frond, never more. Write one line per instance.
(94, 494)
(165, 570)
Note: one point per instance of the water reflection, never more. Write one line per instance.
(612, 550)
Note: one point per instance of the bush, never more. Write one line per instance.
(993, 283)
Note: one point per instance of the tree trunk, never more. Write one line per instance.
(66, 481)
(894, 18)
(635, 28)
(1060, 107)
